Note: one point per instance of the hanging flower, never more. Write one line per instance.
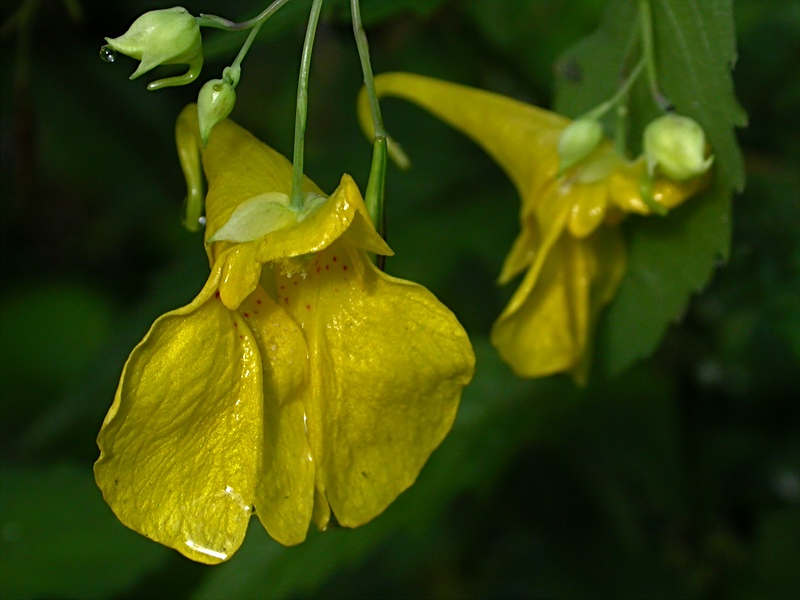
(570, 244)
(301, 382)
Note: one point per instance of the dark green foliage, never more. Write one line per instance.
(673, 476)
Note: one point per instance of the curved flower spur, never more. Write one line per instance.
(301, 382)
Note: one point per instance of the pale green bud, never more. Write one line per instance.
(214, 103)
(577, 141)
(163, 37)
(676, 145)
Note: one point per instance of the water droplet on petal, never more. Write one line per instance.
(219, 536)
(108, 54)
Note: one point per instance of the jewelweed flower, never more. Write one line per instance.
(570, 245)
(301, 382)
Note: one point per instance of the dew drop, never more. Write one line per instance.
(108, 54)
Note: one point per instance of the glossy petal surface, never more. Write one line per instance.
(300, 380)
(285, 488)
(180, 447)
(388, 362)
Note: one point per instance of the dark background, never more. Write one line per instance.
(680, 478)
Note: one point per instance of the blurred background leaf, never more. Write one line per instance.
(680, 477)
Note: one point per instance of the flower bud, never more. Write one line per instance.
(163, 37)
(577, 141)
(214, 103)
(676, 145)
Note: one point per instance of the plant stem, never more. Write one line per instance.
(366, 68)
(621, 94)
(296, 202)
(245, 48)
(648, 54)
(377, 174)
(220, 23)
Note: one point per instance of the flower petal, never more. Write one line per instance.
(237, 166)
(388, 363)
(588, 209)
(522, 252)
(240, 274)
(607, 263)
(343, 211)
(625, 189)
(543, 329)
(181, 444)
(521, 138)
(554, 210)
(284, 495)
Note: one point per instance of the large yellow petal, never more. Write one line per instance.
(521, 138)
(388, 363)
(181, 444)
(284, 495)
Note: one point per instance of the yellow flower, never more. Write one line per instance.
(300, 382)
(574, 266)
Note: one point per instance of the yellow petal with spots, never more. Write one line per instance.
(388, 363)
(181, 444)
(284, 493)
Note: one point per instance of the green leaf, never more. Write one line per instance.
(672, 258)
(59, 539)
